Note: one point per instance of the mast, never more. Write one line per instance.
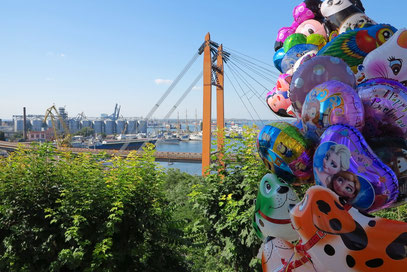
(186, 120)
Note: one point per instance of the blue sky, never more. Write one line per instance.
(89, 55)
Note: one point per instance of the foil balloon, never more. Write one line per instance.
(315, 71)
(316, 39)
(278, 57)
(345, 163)
(278, 102)
(393, 152)
(309, 9)
(329, 103)
(385, 103)
(271, 213)
(295, 53)
(344, 15)
(282, 35)
(285, 152)
(303, 12)
(310, 27)
(272, 224)
(389, 60)
(340, 238)
(304, 58)
(293, 40)
(283, 82)
(354, 45)
(280, 255)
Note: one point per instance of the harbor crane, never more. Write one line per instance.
(54, 115)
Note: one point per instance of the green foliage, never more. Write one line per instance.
(86, 131)
(65, 212)
(226, 206)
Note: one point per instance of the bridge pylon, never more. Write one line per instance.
(208, 69)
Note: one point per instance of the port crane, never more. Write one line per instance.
(54, 115)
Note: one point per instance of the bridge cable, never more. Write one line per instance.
(259, 68)
(252, 89)
(261, 96)
(256, 71)
(273, 71)
(184, 95)
(171, 87)
(231, 83)
(234, 75)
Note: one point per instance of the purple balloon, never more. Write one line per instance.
(345, 163)
(385, 103)
(330, 103)
(315, 71)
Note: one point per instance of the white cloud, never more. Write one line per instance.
(160, 81)
(197, 88)
(62, 55)
(49, 79)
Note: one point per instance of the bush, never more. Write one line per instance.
(66, 212)
(226, 205)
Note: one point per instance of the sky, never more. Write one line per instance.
(88, 55)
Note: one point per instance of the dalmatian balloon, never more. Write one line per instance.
(273, 203)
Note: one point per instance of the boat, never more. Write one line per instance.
(127, 144)
(196, 136)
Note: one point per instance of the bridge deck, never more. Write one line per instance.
(159, 155)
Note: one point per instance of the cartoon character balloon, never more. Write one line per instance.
(389, 60)
(309, 27)
(295, 53)
(329, 103)
(315, 71)
(339, 238)
(271, 214)
(344, 15)
(354, 45)
(309, 9)
(285, 151)
(278, 102)
(385, 103)
(272, 224)
(345, 163)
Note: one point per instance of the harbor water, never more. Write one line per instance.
(191, 146)
(182, 146)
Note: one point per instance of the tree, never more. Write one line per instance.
(66, 212)
(86, 131)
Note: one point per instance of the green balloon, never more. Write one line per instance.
(294, 39)
(316, 39)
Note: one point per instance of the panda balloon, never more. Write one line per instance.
(343, 15)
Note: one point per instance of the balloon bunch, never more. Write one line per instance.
(344, 83)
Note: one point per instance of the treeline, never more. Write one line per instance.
(66, 212)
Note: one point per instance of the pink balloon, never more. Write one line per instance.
(332, 102)
(315, 71)
(283, 82)
(283, 33)
(278, 102)
(310, 27)
(301, 13)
